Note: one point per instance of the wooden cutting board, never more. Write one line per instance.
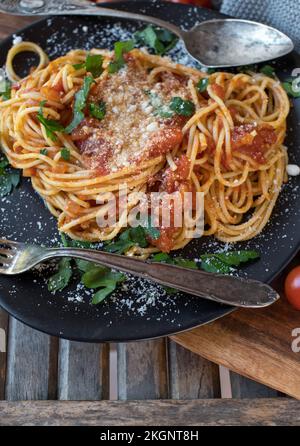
(254, 343)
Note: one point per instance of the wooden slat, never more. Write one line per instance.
(29, 375)
(247, 388)
(142, 370)
(3, 351)
(9, 24)
(277, 411)
(83, 371)
(191, 376)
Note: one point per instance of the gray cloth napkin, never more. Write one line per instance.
(282, 14)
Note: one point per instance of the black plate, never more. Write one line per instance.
(142, 311)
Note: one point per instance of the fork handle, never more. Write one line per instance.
(230, 290)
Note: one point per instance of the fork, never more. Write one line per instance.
(17, 258)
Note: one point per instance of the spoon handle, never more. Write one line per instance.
(79, 7)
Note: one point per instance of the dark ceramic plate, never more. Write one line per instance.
(139, 310)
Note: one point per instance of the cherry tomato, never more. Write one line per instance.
(292, 287)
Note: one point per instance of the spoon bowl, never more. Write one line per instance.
(231, 42)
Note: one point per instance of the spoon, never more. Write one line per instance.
(214, 43)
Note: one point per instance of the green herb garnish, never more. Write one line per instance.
(80, 103)
(289, 88)
(177, 106)
(160, 40)
(133, 237)
(3, 164)
(5, 90)
(63, 276)
(51, 126)
(222, 263)
(98, 111)
(226, 262)
(99, 278)
(120, 49)
(9, 177)
(79, 66)
(44, 152)
(103, 278)
(268, 70)
(93, 64)
(202, 85)
(8, 181)
(179, 261)
(65, 154)
(182, 107)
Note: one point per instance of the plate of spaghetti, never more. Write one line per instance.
(89, 106)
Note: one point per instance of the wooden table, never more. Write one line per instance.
(155, 382)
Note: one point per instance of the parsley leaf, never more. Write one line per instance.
(160, 40)
(161, 257)
(63, 276)
(9, 177)
(3, 164)
(93, 64)
(120, 49)
(103, 293)
(98, 111)
(8, 181)
(5, 90)
(177, 106)
(202, 85)
(182, 107)
(80, 103)
(50, 125)
(185, 263)
(79, 66)
(226, 261)
(44, 152)
(152, 232)
(65, 154)
(133, 237)
(178, 261)
(104, 278)
(268, 70)
(289, 88)
(223, 262)
(93, 276)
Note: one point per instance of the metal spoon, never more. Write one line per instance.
(214, 43)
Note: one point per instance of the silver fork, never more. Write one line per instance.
(16, 258)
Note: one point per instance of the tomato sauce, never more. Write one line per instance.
(253, 140)
(170, 182)
(165, 141)
(218, 91)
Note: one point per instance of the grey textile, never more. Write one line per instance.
(282, 14)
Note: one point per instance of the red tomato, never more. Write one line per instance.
(292, 287)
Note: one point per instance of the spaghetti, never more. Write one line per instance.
(230, 147)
